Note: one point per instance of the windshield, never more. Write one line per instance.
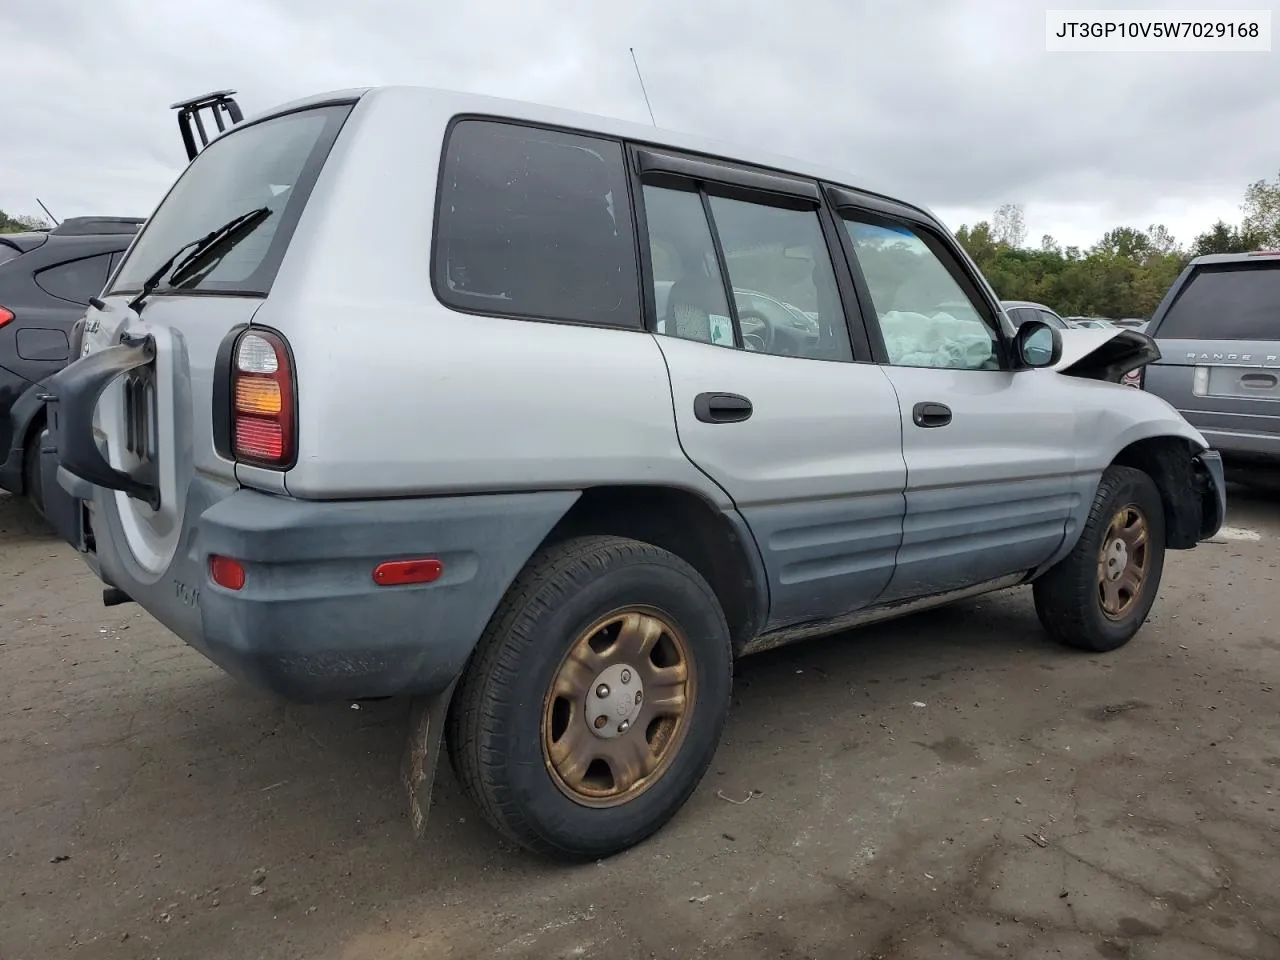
(272, 164)
(1236, 302)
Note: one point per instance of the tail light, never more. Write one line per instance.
(1133, 378)
(263, 401)
(5, 316)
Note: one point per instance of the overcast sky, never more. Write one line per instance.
(953, 103)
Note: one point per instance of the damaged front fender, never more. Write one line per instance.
(1105, 354)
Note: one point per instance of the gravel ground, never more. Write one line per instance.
(950, 785)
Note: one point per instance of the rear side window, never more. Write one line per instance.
(535, 223)
(273, 163)
(1233, 302)
(75, 280)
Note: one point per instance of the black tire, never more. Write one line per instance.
(31, 485)
(1068, 597)
(494, 730)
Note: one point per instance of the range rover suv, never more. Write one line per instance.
(1218, 329)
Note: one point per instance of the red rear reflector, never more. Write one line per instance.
(259, 439)
(395, 573)
(5, 316)
(226, 572)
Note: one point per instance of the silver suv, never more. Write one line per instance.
(1218, 329)
(598, 410)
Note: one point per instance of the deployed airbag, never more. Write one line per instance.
(941, 340)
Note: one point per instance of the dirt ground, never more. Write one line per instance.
(946, 786)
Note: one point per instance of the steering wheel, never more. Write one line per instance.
(761, 337)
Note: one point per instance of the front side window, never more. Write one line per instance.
(925, 316)
(536, 223)
(274, 164)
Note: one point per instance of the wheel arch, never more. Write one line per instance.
(715, 542)
(28, 417)
(1170, 462)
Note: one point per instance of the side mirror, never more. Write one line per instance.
(1039, 345)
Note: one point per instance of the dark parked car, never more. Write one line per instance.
(1218, 329)
(46, 280)
(1020, 311)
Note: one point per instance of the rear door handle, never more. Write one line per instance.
(721, 407)
(931, 414)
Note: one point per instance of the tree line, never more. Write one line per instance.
(21, 224)
(1126, 273)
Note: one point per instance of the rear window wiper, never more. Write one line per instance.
(219, 239)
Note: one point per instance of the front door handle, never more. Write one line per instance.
(721, 407)
(931, 414)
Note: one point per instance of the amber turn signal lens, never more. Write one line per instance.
(258, 396)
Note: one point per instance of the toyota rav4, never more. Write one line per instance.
(600, 411)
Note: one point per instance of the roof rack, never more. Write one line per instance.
(96, 226)
(218, 102)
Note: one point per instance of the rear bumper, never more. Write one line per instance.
(310, 623)
(1235, 443)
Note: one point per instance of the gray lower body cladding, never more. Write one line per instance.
(310, 623)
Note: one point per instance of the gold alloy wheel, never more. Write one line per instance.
(617, 710)
(1122, 561)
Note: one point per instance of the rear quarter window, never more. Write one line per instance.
(535, 223)
(1228, 302)
(272, 163)
(75, 280)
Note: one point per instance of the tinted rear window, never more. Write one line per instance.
(8, 252)
(1235, 302)
(536, 223)
(273, 163)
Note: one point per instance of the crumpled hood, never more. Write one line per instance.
(1104, 354)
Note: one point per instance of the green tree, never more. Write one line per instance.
(21, 223)
(1262, 212)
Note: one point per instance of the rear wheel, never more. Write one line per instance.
(595, 701)
(1099, 595)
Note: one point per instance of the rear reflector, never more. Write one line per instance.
(226, 572)
(5, 316)
(394, 573)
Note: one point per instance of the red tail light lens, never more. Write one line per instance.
(263, 404)
(5, 316)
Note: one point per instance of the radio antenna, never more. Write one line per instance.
(639, 77)
(46, 210)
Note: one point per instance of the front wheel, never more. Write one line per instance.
(594, 702)
(1098, 596)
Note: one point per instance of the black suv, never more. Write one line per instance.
(46, 280)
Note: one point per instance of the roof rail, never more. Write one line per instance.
(96, 226)
(218, 102)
